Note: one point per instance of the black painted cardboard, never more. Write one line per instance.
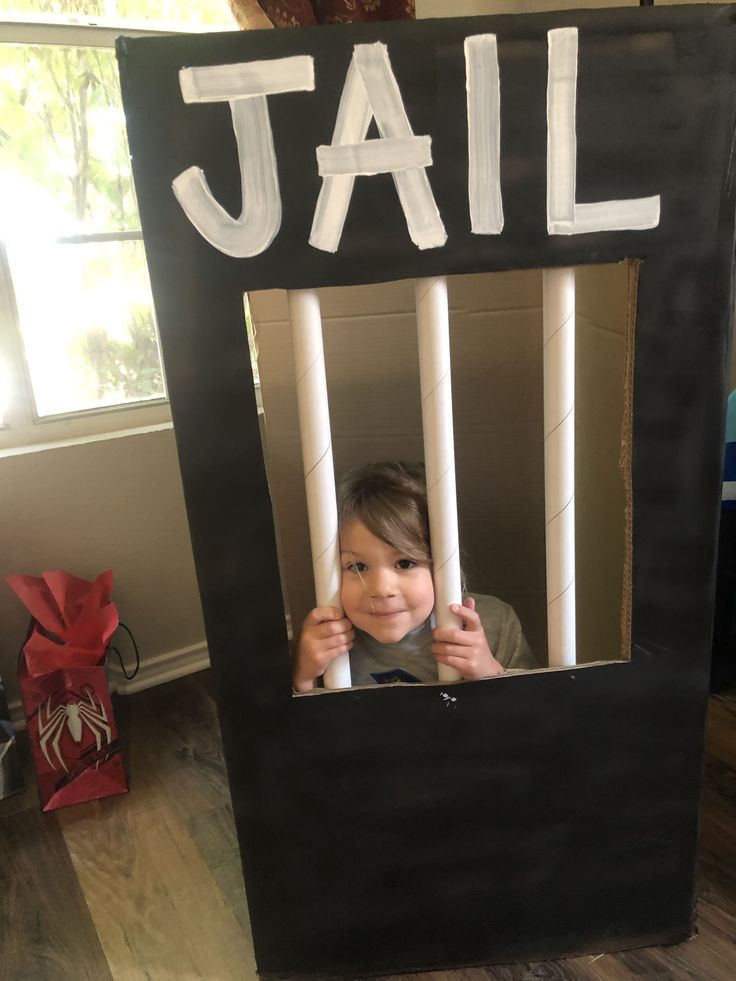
(545, 814)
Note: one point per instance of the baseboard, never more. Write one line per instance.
(159, 669)
(154, 671)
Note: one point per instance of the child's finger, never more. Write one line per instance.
(453, 635)
(333, 628)
(337, 647)
(467, 614)
(459, 663)
(442, 650)
(469, 669)
(321, 614)
(344, 639)
(469, 603)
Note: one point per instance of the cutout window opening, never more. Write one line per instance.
(496, 336)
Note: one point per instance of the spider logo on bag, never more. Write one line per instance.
(73, 716)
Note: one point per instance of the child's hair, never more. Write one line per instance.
(390, 499)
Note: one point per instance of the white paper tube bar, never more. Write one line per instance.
(433, 333)
(559, 461)
(319, 475)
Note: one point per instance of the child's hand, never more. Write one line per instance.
(326, 634)
(466, 648)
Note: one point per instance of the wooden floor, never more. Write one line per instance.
(148, 885)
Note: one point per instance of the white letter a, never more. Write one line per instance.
(371, 91)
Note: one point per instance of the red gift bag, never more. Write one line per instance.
(64, 690)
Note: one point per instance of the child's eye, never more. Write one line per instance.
(406, 564)
(356, 567)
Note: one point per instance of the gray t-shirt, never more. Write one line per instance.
(412, 660)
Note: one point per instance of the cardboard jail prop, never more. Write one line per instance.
(548, 813)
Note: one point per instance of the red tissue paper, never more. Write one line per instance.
(61, 672)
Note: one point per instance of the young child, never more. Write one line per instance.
(387, 594)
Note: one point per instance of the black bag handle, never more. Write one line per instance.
(136, 669)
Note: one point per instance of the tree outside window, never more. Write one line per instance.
(73, 267)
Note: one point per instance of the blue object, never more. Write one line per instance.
(728, 496)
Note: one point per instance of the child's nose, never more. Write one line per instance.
(383, 582)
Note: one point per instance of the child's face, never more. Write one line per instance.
(383, 592)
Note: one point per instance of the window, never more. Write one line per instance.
(78, 339)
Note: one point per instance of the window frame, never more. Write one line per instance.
(22, 427)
